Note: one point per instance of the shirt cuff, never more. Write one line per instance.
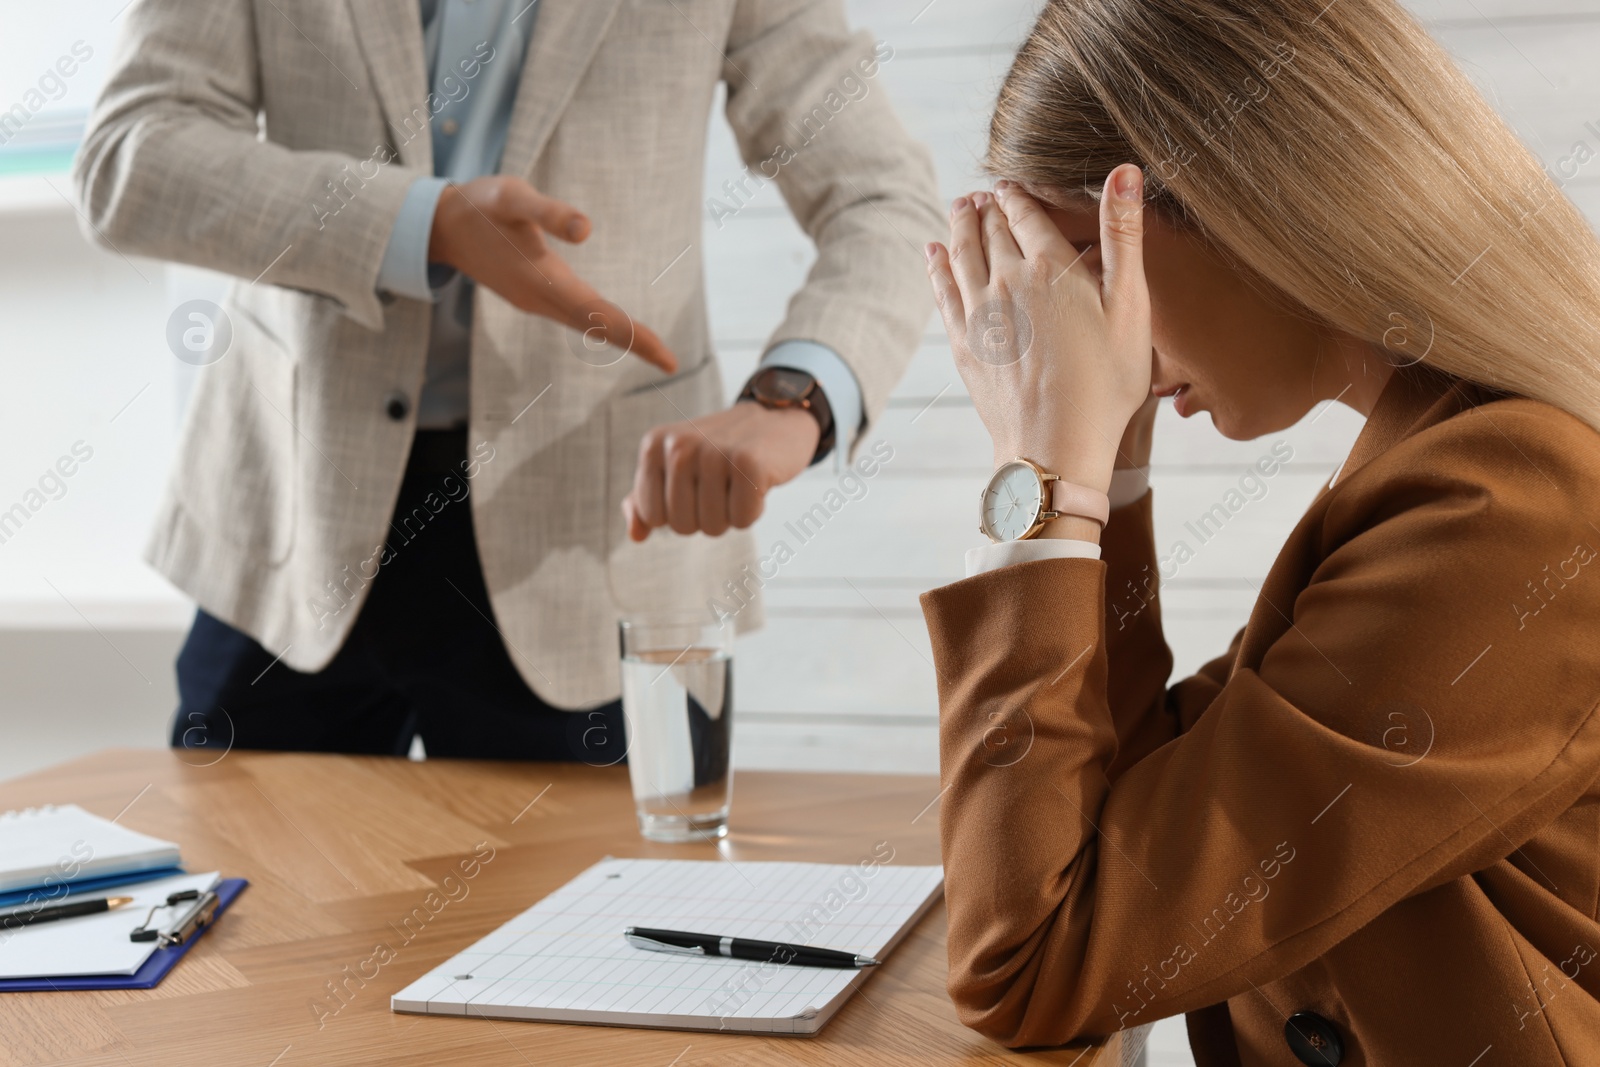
(1004, 553)
(834, 377)
(404, 271)
(1128, 485)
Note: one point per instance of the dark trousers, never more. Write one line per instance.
(425, 657)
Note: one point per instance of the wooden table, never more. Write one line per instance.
(339, 852)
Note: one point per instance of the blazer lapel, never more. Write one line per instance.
(566, 34)
(390, 33)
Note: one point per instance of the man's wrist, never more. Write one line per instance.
(797, 417)
(440, 247)
(835, 380)
(779, 388)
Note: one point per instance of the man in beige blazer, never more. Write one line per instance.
(399, 497)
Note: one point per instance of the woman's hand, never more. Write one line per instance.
(1137, 439)
(1055, 354)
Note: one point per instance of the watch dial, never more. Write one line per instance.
(784, 385)
(1011, 504)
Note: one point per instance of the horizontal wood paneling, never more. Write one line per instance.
(1538, 72)
(833, 656)
(1503, 13)
(917, 527)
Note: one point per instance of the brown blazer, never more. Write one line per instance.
(1379, 807)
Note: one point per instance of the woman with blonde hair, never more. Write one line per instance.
(1367, 833)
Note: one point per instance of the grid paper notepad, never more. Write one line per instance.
(565, 960)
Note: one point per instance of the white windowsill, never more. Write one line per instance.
(35, 615)
(35, 195)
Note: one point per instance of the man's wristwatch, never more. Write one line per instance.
(1020, 498)
(784, 387)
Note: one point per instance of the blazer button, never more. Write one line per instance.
(398, 405)
(1313, 1040)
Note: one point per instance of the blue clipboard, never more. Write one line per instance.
(148, 976)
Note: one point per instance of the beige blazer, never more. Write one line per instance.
(214, 143)
(1369, 826)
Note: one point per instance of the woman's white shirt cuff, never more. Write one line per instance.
(1005, 553)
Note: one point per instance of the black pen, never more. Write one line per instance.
(742, 948)
(11, 920)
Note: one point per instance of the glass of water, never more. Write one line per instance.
(677, 702)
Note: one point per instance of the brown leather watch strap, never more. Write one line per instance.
(812, 399)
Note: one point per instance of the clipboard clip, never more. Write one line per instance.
(199, 917)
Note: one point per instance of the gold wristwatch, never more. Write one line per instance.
(1021, 498)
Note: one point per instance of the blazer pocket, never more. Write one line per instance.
(236, 473)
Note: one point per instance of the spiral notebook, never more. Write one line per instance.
(565, 960)
(61, 845)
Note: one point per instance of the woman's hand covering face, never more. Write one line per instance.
(1055, 353)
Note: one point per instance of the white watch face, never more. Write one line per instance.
(1012, 502)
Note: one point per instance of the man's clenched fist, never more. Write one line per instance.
(714, 472)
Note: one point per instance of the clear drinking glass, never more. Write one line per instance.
(677, 701)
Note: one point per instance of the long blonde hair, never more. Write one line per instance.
(1334, 151)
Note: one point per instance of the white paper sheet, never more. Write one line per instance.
(565, 960)
(97, 944)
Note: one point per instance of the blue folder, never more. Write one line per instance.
(148, 976)
(18, 897)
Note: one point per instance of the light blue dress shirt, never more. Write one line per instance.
(474, 50)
